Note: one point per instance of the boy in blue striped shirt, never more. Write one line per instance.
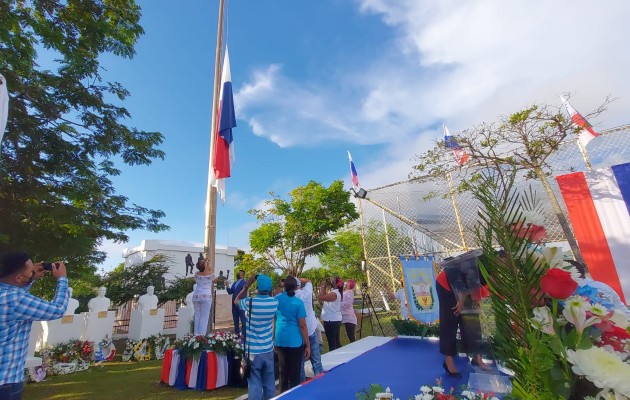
(18, 310)
(261, 383)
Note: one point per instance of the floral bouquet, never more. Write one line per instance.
(158, 343)
(225, 342)
(142, 350)
(561, 338)
(127, 354)
(68, 356)
(191, 346)
(587, 336)
(105, 350)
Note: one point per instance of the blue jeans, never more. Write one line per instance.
(261, 384)
(316, 358)
(11, 391)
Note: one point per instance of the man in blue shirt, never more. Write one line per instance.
(234, 289)
(18, 309)
(260, 311)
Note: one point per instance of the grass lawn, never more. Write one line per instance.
(118, 380)
(132, 381)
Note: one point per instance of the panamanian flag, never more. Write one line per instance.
(353, 172)
(459, 154)
(587, 133)
(598, 203)
(226, 120)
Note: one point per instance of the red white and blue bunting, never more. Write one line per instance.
(207, 372)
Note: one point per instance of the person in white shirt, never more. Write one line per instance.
(331, 310)
(348, 316)
(305, 293)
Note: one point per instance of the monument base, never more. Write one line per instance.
(185, 319)
(145, 323)
(223, 308)
(60, 330)
(98, 324)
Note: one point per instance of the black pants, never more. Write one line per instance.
(468, 324)
(289, 360)
(350, 330)
(331, 328)
(237, 315)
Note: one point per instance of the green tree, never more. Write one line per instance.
(123, 283)
(343, 256)
(178, 289)
(376, 242)
(66, 133)
(524, 141)
(293, 229)
(345, 251)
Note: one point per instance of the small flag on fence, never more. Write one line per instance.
(587, 133)
(353, 172)
(450, 143)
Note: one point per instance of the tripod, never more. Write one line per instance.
(366, 299)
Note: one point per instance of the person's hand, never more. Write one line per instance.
(457, 310)
(59, 270)
(39, 270)
(307, 353)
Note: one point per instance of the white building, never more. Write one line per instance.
(175, 253)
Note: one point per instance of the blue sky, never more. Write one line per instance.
(313, 79)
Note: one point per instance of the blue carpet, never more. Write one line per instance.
(402, 364)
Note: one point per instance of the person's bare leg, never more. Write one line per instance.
(478, 361)
(450, 364)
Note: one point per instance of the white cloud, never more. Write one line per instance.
(453, 62)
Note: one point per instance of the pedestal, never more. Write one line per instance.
(35, 340)
(98, 324)
(63, 329)
(223, 308)
(145, 323)
(185, 318)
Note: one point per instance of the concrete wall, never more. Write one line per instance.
(176, 252)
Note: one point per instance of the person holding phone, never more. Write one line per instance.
(18, 309)
(331, 310)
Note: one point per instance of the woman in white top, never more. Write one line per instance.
(348, 316)
(331, 310)
(202, 297)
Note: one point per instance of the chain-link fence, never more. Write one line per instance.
(426, 216)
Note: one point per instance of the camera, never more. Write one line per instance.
(49, 266)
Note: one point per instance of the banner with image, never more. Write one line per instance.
(419, 282)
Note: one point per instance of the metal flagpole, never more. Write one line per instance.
(456, 208)
(211, 193)
(587, 161)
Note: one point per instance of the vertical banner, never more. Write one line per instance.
(419, 282)
(598, 203)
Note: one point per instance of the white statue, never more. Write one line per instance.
(148, 301)
(189, 297)
(100, 302)
(73, 304)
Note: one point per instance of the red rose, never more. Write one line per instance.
(558, 283)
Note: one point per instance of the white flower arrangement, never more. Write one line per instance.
(605, 369)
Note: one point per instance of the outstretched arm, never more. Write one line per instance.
(243, 292)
